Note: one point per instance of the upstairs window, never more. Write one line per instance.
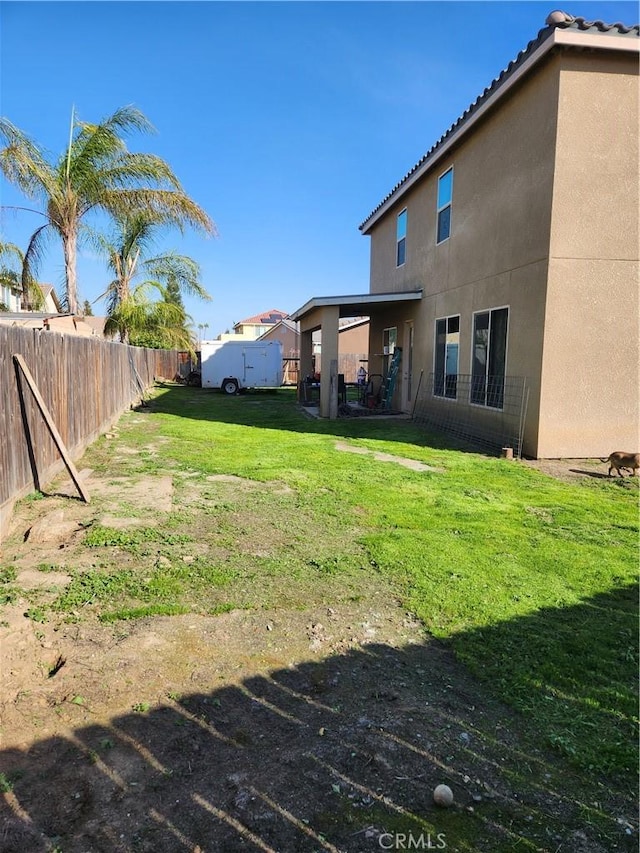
(445, 378)
(401, 238)
(445, 194)
(489, 357)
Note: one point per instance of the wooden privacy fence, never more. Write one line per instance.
(86, 384)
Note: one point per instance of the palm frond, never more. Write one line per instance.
(33, 257)
(23, 163)
(96, 144)
(112, 297)
(32, 292)
(180, 270)
(100, 242)
(126, 119)
(167, 314)
(128, 316)
(137, 233)
(164, 207)
(11, 252)
(22, 279)
(129, 169)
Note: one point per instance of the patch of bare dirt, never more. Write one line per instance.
(312, 730)
(569, 470)
(324, 728)
(411, 464)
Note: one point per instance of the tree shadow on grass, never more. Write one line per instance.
(572, 671)
(340, 754)
(278, 409)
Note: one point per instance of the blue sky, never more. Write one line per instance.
(288, 122)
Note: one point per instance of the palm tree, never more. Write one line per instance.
(95, 173)
(169, 274)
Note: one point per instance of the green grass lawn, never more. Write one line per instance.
(532, 580)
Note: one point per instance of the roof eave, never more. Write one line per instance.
(563, 37)
(362, 300)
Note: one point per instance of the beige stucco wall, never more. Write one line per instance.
(247, 334)
(590, 375)
(354, 340)
(498, 253)
(544, 222)
(590, 378)
(502, 189)
(353, 345)
(289, 338)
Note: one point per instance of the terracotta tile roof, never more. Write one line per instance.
(555, 20)
(566, 21)
(272, 316)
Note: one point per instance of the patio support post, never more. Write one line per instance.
(329, 325)
(306, 358)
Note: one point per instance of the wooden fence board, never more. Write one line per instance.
(86, 384)
(51, 426)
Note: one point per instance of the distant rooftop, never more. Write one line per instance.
(270, 317)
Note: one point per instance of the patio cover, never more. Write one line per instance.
(324, 313)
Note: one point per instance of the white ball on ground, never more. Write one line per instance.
(443, 796)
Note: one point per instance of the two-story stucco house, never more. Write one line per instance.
(508, 256)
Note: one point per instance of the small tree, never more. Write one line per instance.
(173, 293)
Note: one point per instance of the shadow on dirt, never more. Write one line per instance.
(598, 475)
(340, 754)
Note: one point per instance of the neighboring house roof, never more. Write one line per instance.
(49, 294)
(96, 323)
(290, 324)
(353, 323)
(270, 317)
(286, 323)
(50, 301)
(561, 29)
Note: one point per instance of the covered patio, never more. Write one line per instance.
(323, 313)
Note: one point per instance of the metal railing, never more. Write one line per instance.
(489, 413)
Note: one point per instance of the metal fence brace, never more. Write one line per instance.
(449, 407)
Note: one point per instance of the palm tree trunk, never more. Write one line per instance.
(70, 242)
